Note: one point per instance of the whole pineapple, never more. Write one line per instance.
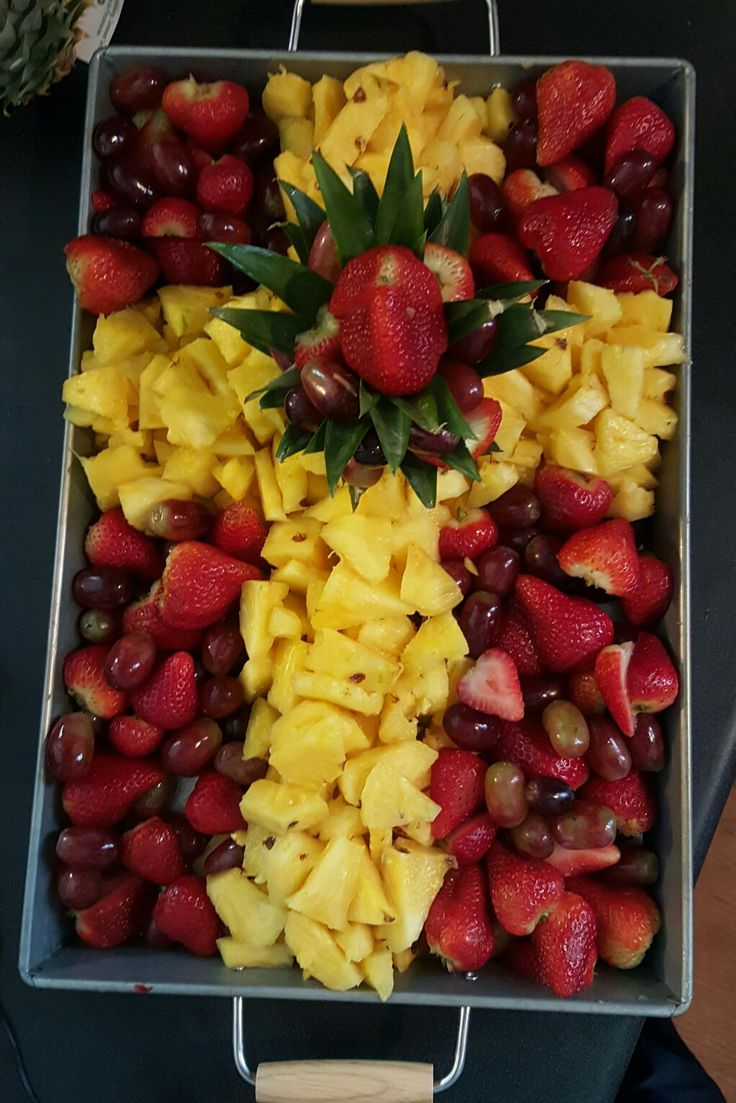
(37, 40)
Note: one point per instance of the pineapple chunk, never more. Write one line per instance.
(256, 677)
(378, 969)
(553, 370)
(184, 465)
(363, 543)
(287, 862)
(421, 530)
(496, 477)
(646, 308)
(601, 304)
(258, 600)
(138, 497)
(412, 761)
(328, 891)
(429, 686)
(573, 448)
(255, 842)
(297, 136)
(149, 410)
(420, 832)
(460, 123)
(398, 718)
(286, 96)
(370, 903)
(660, 349)
(122, 334)
(328, 99)
(246, 911)
(389, 635)
(346, 659)
(285, 624)
(356, 941)
(425, 586)
(483, 155)
(620, 443)
(348, 600)
(298, 539)
(299, 576)
(379, 839)
(307, 754)
(438, 638)
(343, 819)
(623, 370)
(500, 114)
(526, 457)
(451, 484)
(280, 807)
(639, 473)
(389, 800)
(112, 467)
(329, 508)
(288, 661)
(323, 687)
(443, 161)
(413, 876)
(258, 733)
(632, 502)
(403, 960)
(577, 405)
(656, 418)
(512, 426)
(244, 955)
(319, 955)
(102, 392)
(187, 309)
(235, 476)
(268, 487)
(387, 498)
(292, 480)
(228, 340)
(195, 419)
(658, 383)
(352, 129)
(515, 390)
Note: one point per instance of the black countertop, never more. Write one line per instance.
(167, 1050)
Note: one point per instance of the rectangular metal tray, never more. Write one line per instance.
(49, 955)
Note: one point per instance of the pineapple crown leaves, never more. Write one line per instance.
(359, 219)
(37, 40)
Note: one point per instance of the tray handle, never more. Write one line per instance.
(298, 11)
(338, 1081)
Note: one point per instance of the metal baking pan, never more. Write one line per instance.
(49, 955)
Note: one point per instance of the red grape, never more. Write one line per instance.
(228, 855)
(359, 474)
(87, 846)
(465, 385)
(70, 746)
(540, 559)
(173, 519)
(100, 625)
(156, 800)
(369, 451)
(78, 888)
(102, 588)
(192, 844)
(331, 388)
(621, 236)
(630, 174)
(479, 621)
(470, 730)
(497, 569)
(138, 89)
(460, 573)
(131, 182)
(486, 203)
(505, 796)
(267, 200)
(517, 508)
(224, 227)
(111, 136)
(222, 647)
(539, 690)
(300, 411)
(519, 538)
(653, 212)
(550, 796)
(585, 825)
(130, 660)
(187, 751)
(220, 695)
(235, 726)
(475, 346)
(439, 443)
(565, 725)
(636, 866)
(608, 754)
(533, 836)
(323, 256)
(275, 240)
(524, 100)
(120, 222)
(172, 166)
(229, 761)
(647, 744)
(257, 139)
(520, 146)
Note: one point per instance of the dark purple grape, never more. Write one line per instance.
(505, 794)
(100, 625)
(192, 844)
(300, 411)
(222, 647)
(268, 203)
(540, 690)
(520, 146)
(120, 222)
(229, 761)
(220, 696)
(130, 660)
(173, 519)
(87, 846)
(519, 538)
(586, 825)
(102, 588)
(113, 135)
(479, 620)
(630, 174)
(621, 236)
(235, 725)
(471, 730)
(517, 508)
(79, 888)
(187, 751)
(156, 800)
(369, 450)
(224, 227)
(524, 100)
(460, 573)
(138, 89)
(228, 855)
(70, 746)
(647, 744)
(332, 389)
(550, 796)
(439, 443)
(172, 166)
(486, 203)
(275, 240)
(257, 139)
(498, 569)
(608, 754)
(540, 559)
(360, 475)
(465, 385)
(131, 182)
(636, 866)
(473, 348)
(533, 836)
(653, 212)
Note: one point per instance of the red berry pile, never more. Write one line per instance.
(156, 678)
(555, 735)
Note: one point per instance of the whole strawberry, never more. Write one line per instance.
(238, 531)
(627, 920)
(200, 583)
(457, 785)
(151, 849)
(225, 186)
(568, 232)
(528, 745)
(168, 697)
(639, 124)
(109, 790)
(209, 113)
(522, 889)
(133, 737)
(631, 799)
(112, 542)
(647, 603)
(213, 807)
(515, 638)
(574, 100)
(84, 678)
(467, 535)
(498, 258)
(635, 272)
(119, 915)
(571, 500)
(472, 840)
(108, 274)
(566, 630)
(185, 914)
(565, 945)
(458, 926)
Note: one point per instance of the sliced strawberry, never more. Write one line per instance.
(145, 616)
(589, 860)
(172, 217)
(521, 188)
(565, 945)
(472, 840)
(566, 630)
(639, 124)
(635, 272)
(568, 232)
(604, 556)
(611, 670)
(239, 531)
(112, 542)
(648, 602)
(498, 258)
(452, 271)
(457, 785)
(515, 638)
(584, 690)
(151, 849)
(200, 583)
(133, 737)
(84, 678)
(109, 790)
(458, 927)
(522, 889)
(627, 920)
(118, 916)
(652, 681)
(571, 500)
(492, 686)
(213, 807)
(569, 174)
(528, 745)
(184, 912)
(485, 421)
(631, 799)
(574, 99)
(168, 697)
(183, 260)
(323, 339)
(467, 535)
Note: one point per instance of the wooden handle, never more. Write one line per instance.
(343, 1082)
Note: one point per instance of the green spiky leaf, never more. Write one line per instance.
(433, 212)
(422, 409)
(510, 292)
(392, 425)
(398, 180)
(293, 440)
(462, 461)
(317, 440)
(503, 360)
(297, 238)
(365, 191)
(303, 290)
(367, 398)
(453, 229)
(350, 227)
(448, 411)
(309, 214)
(340, 443)
(465, 317)
(408, 229)
(274, 393)
(264, 329)
(555, 320)
(422, 478)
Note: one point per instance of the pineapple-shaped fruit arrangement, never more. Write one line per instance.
(381, 291)
(37, 41)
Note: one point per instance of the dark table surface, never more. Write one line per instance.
(88, 1048)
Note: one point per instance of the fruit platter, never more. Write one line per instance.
(368, 660)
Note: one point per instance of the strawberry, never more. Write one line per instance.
(472, 840)
(184, 912)
(200, 583)
(145, 616)
(569, 174)
(133, 737)
(208, 113)
(611, 669)
(498, 258)
(631, 799)
(528, 746)
(112, 542)
(648, 602)
(520, 956)
(468, 535)
(457, 785)
(101, 200)
(565, 945)
(213, 807)
(589, 860)
(393, 328)
(638, 124)
(458, 926)
(485, 421)
(108, 274)
(571, 500)
(584, 691)
(84, 678)
(186, 261)
(238, 531)
(172, 217)
(521, 188)
(566, 630)
(574, 100)
(117, 916)
(200, 156)
(168, 697)
(514, 637)
(151, 849)
(638, 272)
(453, 272)
(568, 232)
(109, 790)
(225, 186)
(492, 686)
(652, 680)
(604, 556)
(522, 889)
(627, 920)
(323, 339)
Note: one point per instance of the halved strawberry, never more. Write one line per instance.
(145, 616)
(627, 919)
(457, 785)
(323, 339)
(485, 421)
(522, 889)
(467, 535)
(521, 188)
(639, 124)
(571, 500)
(568, 231)
(84, 678)
(498, 258)
(652, 681)
(611, 671)
(631, 799)
(168, 697)
(567, 630)
(590, 860)
(172, 217)
(647, 603)
(458, 927)
(151, 849)
(603, 556)
(112, 542)
(492, 686)
(453, 272)
(118, 915)
(569, 174)
(528, 745)
(184, 912)
(472, 840)
(213, 807)
(200, 583)
(637, 272)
